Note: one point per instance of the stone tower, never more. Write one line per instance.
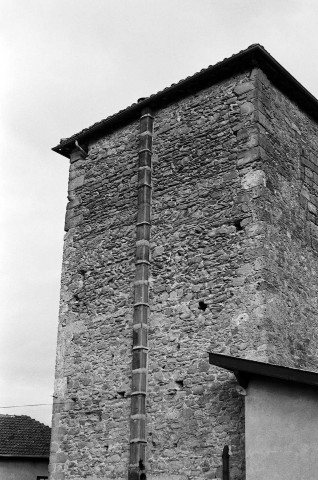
(191, 227)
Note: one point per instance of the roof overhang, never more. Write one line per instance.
(38, 457)
(254, 56)
(244, 370)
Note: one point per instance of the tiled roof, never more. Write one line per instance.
(21, 435)
(179, 83)
(254, 56)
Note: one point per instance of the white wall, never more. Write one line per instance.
(281, 431)
(19, 469)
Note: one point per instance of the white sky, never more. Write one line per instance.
(65, 65)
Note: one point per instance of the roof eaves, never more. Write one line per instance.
(253, 56)
(244, 369)
(188, 85)
(44, 457)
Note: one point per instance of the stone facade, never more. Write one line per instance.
(288, 212)
(233, 269)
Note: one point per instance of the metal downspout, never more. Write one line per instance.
(138, 439)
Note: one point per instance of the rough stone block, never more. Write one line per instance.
(72, 221)
(253, 179)
(243, 88)
(247, 157)
(76, 182)
(247, 108)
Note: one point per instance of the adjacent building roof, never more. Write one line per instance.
(22, 436)
(253, 56)
(244, 370)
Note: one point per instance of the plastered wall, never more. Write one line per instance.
(281, 431)
(22, 469)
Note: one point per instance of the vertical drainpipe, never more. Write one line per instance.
(138, 440)
(226, 463)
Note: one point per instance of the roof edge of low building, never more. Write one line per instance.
(244, 369)
(44, 457)
(254, 56)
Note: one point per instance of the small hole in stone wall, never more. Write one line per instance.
(163, 366)
(237, 225)
(76, 297)
(143, 476)
(141, 465)
(180, 383)
(178, 346)
(121, 393)
(203, 306)
(106, 448)
(82, 272)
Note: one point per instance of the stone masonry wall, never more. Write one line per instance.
(202, 236)
(233, 269)
(288, 207)
(205, 238)
(90, 436)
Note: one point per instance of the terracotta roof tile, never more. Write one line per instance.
(21, 435)
(152, 96)
(254, 56)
